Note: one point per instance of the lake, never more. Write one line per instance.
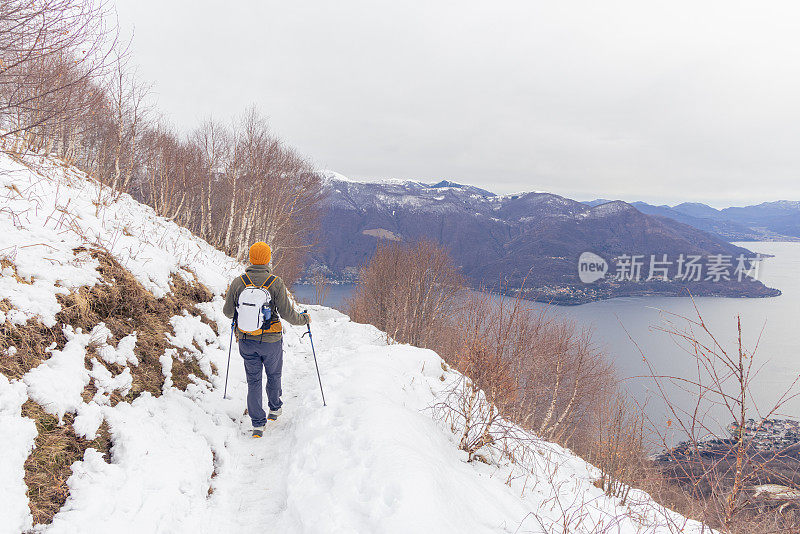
(779, 318)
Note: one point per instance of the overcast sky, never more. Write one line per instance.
(660, 101)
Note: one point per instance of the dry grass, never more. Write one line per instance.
(125, 306)
(30, 340)
(49, 465)
(7, 263)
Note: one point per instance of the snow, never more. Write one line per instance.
(57, 383)
(608, 209)
(331, 177)
(88, 420)
(373, 460)
(166, 366)
(18, 434)
(106, 383)
(190, 333)
(122, 354)
(376, 459)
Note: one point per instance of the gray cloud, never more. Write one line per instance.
(668, 102)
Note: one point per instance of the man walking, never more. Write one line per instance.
(260, 296)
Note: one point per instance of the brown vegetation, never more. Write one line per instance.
(52, 54)
(408, 291)
(617, 446)
(30, 342)
(537, 371)
(125, 306)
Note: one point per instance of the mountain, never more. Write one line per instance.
(704, 218)
(112, 361)
(779, 220)
(699, 210)
(780, 217)
(529, 241)
(596, 202)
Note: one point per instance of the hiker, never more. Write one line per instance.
(257, 301)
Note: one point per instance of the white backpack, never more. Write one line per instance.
(256, 313)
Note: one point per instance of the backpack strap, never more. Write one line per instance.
(270, 279)
(248, 282)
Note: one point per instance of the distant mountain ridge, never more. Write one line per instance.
(531, 239)
(768, 221)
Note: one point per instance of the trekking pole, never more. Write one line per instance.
(311, 338)
(228, 368)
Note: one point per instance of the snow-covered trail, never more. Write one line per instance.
(318, 469)
(252, 490)
(370, 461)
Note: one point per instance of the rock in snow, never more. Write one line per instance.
(374, 460)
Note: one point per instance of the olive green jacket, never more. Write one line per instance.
(277, 291)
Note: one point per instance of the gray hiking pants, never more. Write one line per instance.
(258, 356)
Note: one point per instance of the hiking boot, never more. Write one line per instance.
(258, 431)
(273, 414)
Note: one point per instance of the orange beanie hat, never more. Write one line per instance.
(260, 253)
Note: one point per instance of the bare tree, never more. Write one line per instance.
(212, 141)
(721, 465)
(126, 96)
(233, 186)
(50, 53)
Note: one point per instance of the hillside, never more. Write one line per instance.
(529, 239)
(113, 354)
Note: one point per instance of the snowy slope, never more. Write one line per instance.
(374, 460)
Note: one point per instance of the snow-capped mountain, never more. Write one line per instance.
(113, 355)
(531, 237)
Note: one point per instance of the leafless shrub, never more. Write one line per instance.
(519, 366)
(543, 372)
(473, 417)
(408, 290)
(572, 515)
(712, 475)
(618, 449)
(321, 288)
